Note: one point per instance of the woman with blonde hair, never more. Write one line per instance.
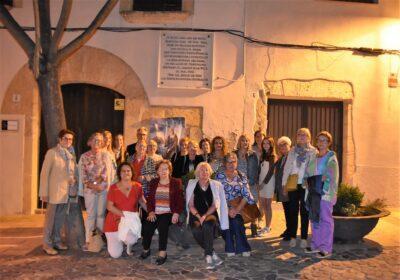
(152, 151)
(293, 179)
(218, 152)
(95, 173)
(119, 149)
(107, 145)
(206, 205)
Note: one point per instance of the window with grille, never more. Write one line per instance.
(361, 1)
(157, 5)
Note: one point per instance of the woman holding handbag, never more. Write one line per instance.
(248, 164)
(236, 188)
(206, 205)
(283, 145)
(292, 180)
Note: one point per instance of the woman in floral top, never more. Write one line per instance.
(95, 169)
(235, 185)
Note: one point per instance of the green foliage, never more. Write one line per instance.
(349, 200)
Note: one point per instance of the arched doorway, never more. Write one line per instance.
(88, 108)
(85, 66)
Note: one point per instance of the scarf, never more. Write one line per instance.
(69, 157)
(302, 153)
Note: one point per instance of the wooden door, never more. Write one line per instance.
(88, 108)
(285, 117)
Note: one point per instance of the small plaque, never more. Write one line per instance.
(185, 60)
(119, 104)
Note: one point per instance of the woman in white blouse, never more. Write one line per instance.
(267, 179)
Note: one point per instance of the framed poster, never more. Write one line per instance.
(167, 132)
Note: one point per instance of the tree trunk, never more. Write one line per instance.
(52, 104)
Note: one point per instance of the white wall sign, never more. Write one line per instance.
(185, 60)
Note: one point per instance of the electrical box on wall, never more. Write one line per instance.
(393, 81)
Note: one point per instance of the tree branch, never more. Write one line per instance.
(45, 27)
(75, 44)
(62, 24)
(16, 31)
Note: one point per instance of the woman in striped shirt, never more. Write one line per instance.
(164, 204)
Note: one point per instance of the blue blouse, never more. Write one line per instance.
(238, 187)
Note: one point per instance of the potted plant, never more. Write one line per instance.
(353, 220)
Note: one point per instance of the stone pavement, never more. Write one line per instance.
(378, 257)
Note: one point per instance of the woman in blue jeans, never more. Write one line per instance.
(235, 185)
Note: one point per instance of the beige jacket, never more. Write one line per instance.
(54, 177)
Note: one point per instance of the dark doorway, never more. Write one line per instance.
(285, 117)
(88, 108)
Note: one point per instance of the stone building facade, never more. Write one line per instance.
(245, 77)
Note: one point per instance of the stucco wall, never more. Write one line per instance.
(230, 108)
(376, 111)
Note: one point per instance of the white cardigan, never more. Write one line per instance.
(219, 200)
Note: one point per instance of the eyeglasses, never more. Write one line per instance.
(231, 161)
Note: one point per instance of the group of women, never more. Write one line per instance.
(142, 191)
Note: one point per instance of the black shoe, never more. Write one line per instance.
(161, 260)
(144, 255)
(253, 228)
(286, 238)
(283, 234)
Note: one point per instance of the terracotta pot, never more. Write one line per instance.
(353, 229)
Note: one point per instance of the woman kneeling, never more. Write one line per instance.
(122, 224)
(205, 200)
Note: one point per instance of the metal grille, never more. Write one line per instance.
(285, 117)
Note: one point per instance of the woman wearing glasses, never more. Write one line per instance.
(235, 185)
(58, 183)
(95, 170)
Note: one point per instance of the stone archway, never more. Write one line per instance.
(88, 65)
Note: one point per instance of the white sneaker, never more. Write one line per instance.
(217, 260)
(303, 243)
(129, 250)
(292, 242)
(309, 250)
(209, 262)
(246, 254)
(265, 230)
(230, 255)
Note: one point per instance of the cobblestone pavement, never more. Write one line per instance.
(21, 257)
(271, 259)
